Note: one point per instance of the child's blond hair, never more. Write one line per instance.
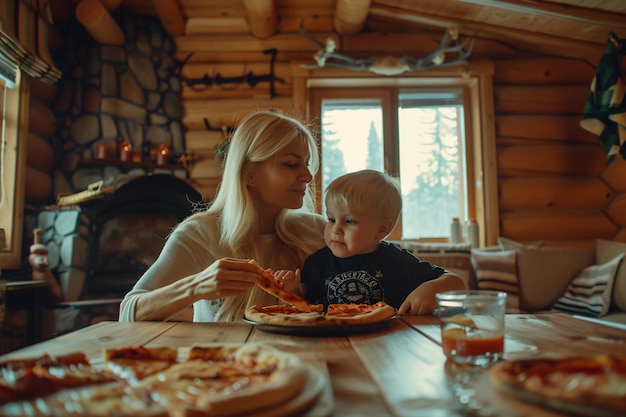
(368, 191)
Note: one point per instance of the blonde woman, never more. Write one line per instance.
(263, 210)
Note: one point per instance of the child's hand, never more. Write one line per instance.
(290, 280)
(421, 301)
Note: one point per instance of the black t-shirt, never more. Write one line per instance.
(388, 274)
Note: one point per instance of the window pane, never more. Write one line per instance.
(351, 137)
(431, 167)
(427, 146)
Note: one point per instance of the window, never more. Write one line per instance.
(426, 131)
(12, 161)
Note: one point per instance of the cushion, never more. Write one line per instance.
(497, 270)
(605, 251)
(589, 293)
(454, 257)
(544, 272)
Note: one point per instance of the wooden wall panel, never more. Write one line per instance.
(227, 112)
(38, 186)
(540, 99)
(556, 192)
(542, 71)
(615, 174)
(41, 120)
(553, 127)
(617, 210)
(568, 159)
(39, 153)
(563, 225)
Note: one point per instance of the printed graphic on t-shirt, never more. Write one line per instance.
(356, 287)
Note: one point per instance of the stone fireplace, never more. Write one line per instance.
(101, 247)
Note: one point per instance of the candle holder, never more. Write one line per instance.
(102, 152)
(136, 156)
(126, 151)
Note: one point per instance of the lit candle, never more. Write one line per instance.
(126, 150)
(163, 155)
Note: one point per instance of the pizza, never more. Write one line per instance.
(335, 315)
(271, 286)
(216, 380)
(595, 384)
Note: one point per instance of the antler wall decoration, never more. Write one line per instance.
(450, 45)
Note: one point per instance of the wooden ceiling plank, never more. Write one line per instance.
(99, 23)
(556, 10)
(171, 16)
(350, 16)
(262, 17)
(521, 35)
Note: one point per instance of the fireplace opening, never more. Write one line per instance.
(129, 228)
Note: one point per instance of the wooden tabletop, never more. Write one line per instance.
(397, 371)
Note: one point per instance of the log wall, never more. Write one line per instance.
(553, 182)
(552, 173)
(40, 156)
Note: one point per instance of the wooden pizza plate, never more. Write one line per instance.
(303, 402)
(323, 331)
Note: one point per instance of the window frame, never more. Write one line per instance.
(14, 164)
(477, 80)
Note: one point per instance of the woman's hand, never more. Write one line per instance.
(224, 278)
(290, 280)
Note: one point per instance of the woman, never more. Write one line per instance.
(268, 169)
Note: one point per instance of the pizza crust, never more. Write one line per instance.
(284, 319)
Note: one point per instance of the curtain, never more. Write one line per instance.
(604, 113)
(24, 30)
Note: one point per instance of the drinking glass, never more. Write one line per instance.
(472, 325)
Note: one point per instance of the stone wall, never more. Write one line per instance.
(113, 94)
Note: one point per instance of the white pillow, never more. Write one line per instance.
(589, 293)
(544, 271)
(497, 270)
(605, 251)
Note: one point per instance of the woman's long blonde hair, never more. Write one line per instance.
(258, 137)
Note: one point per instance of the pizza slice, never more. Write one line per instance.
(269, 285)
(134, 363)
(359, 313)
(587, 384)
(286, 315)
(23, 380)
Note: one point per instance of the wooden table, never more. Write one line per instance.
(398, 371)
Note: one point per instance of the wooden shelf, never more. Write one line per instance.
(95, 162)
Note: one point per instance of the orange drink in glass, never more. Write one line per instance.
(472, 325)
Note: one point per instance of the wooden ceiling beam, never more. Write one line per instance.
(350, 16)
(99, 23)
(262, 17)
(496, 32)
(556, 10)
(171, 16)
